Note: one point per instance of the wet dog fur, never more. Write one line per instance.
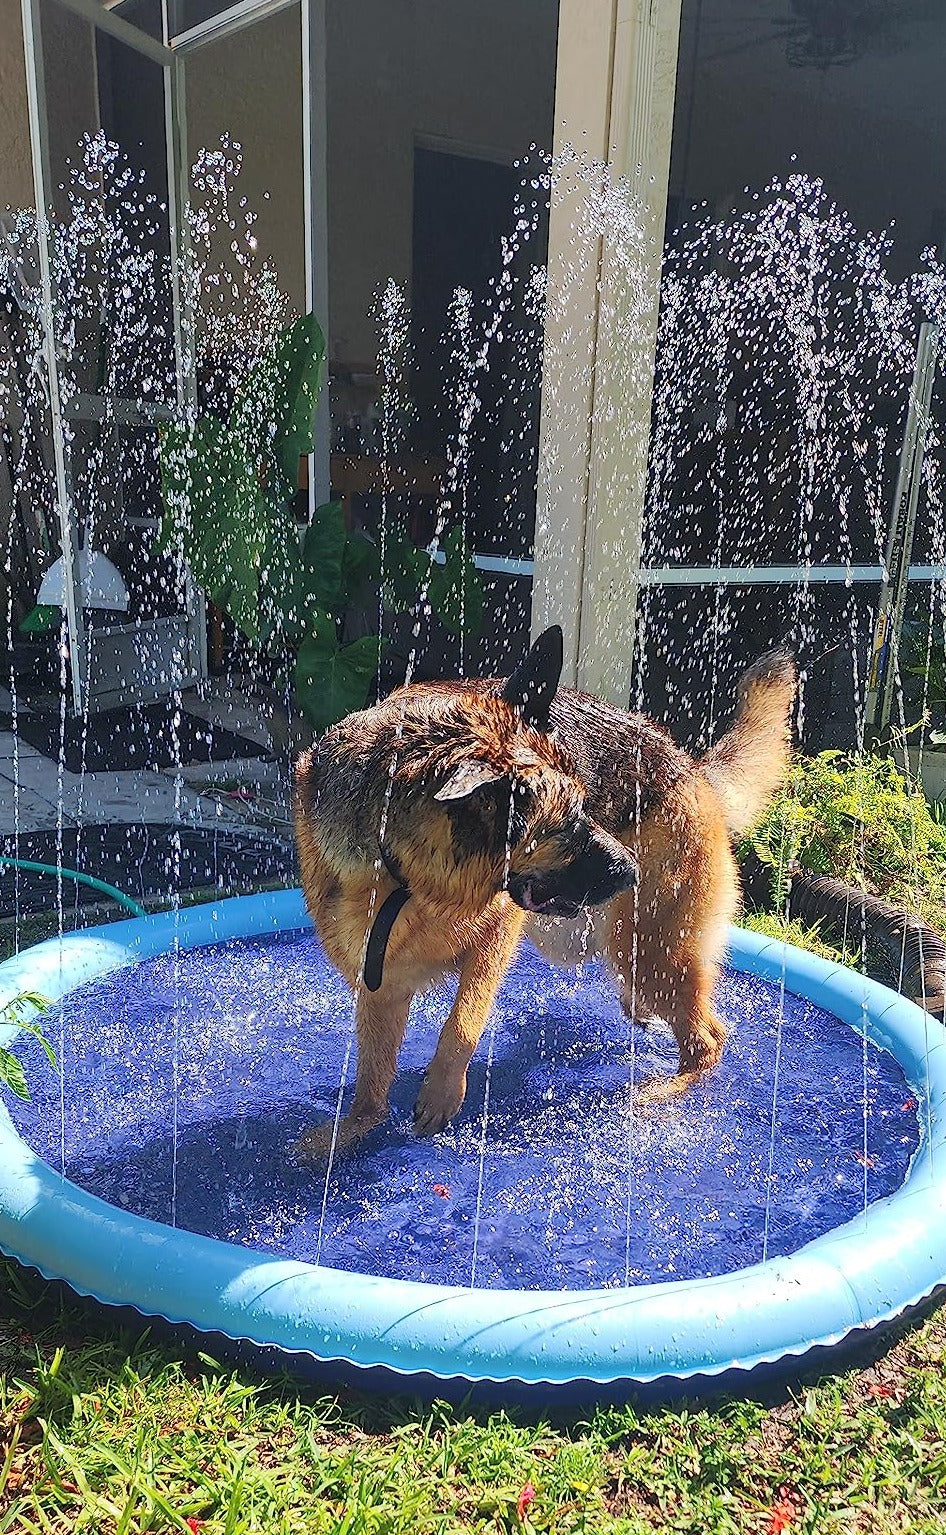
(435, 828)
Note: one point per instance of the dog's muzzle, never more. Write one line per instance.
(601, 871)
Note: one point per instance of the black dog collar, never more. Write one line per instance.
(383, 923)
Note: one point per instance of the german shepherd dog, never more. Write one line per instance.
(432, 828)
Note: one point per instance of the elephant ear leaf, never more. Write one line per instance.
(178, 450)
(361, 568)
(456, 591)
(405, 570)
(333, 680)
(299, 367)
(280, 581)
(323, 554)
(220, 518)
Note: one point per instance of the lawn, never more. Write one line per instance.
(116, 1431)
(108, 1430)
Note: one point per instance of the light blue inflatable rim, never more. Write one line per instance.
(865, 1272)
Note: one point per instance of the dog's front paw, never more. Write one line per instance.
(322, 1141)
(440, 1098)
(660, 1089)
(314, 1146)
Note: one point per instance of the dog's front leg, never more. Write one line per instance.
(382, 1018)
(482, 970)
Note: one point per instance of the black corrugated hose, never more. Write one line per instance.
(899, 948)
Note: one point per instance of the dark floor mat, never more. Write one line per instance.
(141, 861)
(145, 736)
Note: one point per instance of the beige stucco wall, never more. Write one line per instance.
(16, 172)
(477, 76)
(71, 91)
(249, 86)
(70, 86)
(480, 77)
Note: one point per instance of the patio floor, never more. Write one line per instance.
(210, 824)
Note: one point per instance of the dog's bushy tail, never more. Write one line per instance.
(747, 765)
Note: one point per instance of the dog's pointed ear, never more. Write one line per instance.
(465, 778)
(535, 680)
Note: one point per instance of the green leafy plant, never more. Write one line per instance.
(41, 620)
(227, 488)
(330, 679)
(924, 657)
(857, 819)
(17, 1014)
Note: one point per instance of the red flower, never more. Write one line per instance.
(526, 1496)
(442, 1189)
(194, 1525)
(785, 1510)
(781, 1515)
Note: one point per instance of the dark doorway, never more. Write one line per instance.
(463, 208)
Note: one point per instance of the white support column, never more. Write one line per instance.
(586, 35)
(178, 172)
(315, 203)
(614, 102)
(42, 181)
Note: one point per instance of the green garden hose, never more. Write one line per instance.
(80, 879)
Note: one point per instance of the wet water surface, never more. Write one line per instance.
(187, 1077)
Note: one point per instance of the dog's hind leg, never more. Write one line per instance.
(382, 1019)
(668, 936)
(677, 986)
(699, 1033)
(482, 970)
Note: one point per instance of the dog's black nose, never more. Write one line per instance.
(601, 871)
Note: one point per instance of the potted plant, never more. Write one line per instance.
(228, 485)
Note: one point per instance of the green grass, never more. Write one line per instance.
(772, 924)
(118, 1433)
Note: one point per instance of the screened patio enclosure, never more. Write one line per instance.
(119, 343)
(166, 83)
(457, 91)
(362, 124)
